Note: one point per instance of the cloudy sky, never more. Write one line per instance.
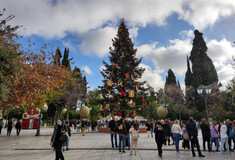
(162, 31)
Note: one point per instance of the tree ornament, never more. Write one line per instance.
(142, 96)
(122, 43)
(113, 98)
(131, 94)
(109, 92)
(128, 113)
(109, 76)
(134, 113)
(127, 75)
(109, 83)
(123, 54)
(123, 93)
(119, 83)
(113, 66)
(137, 88)
(132, 77)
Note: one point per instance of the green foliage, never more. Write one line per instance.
(16, 113)
(188, 75)
(170, 79)
(94, 103)
(66, 61)
(204, 72)
(72, 115)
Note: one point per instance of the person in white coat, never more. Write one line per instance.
(176, 130)
(224, 138)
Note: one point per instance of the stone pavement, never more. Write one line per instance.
(92, 146)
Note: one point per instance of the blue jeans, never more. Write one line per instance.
(128, 140)
(122, 142)
(176, 137)
(67, 144)
(151, 130)
(224, 140)
(216, 142)
(115, 136)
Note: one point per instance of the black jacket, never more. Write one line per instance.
(191, 129)
(159, 134)
(167, 129)
(128, 126)
(122, 128)
(148, 126)
(206, 132)
(113, 126)
(55, 138)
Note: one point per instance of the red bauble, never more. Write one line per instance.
(93, 100)
(112, 70)
(114, 83)
(101, 72)
(116, 105)
(112, 56)
(109, 75)
(142, 96)
(118, 61)
(126, 88)
(113, 98)
(128, 112)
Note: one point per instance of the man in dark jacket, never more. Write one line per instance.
(113, 131)
(122, 134)
(9, 127)
(229, 128)
(128, 126)
(206, 134)
(159, 137)
(193, 133)
(68, 131)
(18, 127)
(167, 129)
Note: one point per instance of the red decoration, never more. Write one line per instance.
(109, 75)
(118, 61)
(116, 105)
(123, 93)
(143, 88)
(101, 72)
(113, 98)
(126, 88)
(112, 70)
(121, 43)
(93, 100)
(146, 103)
(114, 83)
(116, 65)
(112, 56)
(127, 74)
(142, 96)
(128, 112)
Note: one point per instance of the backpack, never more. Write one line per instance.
(231, 134)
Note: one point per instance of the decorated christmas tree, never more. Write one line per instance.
(123, 93)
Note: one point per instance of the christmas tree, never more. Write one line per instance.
(122, 92)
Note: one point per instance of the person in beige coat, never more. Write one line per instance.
(176, 130)
(134, 137)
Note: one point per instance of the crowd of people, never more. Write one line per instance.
(220, 133)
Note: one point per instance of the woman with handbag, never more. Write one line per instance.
(214, 136)
(176, 130)
(58, 138)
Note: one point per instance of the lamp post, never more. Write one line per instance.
(165, 104)
(205, 90)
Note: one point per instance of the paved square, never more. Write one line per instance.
(92, 146)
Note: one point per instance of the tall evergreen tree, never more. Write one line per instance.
(204, 72)
(170, 79)
(121, 86)
(57, 56)
(188, 75)
(66, 60)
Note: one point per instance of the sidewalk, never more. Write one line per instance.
(92, 146)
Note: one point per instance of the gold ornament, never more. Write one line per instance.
(162, 111)
(109, 92)
(131, 103)
(113, 66)
(123, 54)
(131, 94)
(134, 113)
(132, 77)
(84, 111)
(119, 83)
(109, 83)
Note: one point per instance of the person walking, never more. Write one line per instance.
(18, 127)
(68, 133)
(122, 135)
(193, 136)
(83, 126)
(148, 126)
(128, 126)
(185, 138)
(224, 138)
(167, 128)
(159, 137)
(134, 137)
(9, 127)
(176, 130)
(214, 136)
(206, 134)
(233, 130)
(1, 125)
(230, 133)
(57, 139)
(113, 131)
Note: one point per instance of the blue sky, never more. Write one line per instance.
(162, 31)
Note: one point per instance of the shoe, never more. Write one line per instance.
(135, 154)
(160, 155)
(130, 154)
(169, 144)
(194, 155)
(124, 151)
(201, 155)
(116, 146)
(63, 150)
(217, 150)
(67, 149)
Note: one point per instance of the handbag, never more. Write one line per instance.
(63, 137)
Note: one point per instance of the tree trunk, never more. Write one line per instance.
(68, 109)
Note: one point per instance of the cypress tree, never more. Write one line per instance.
(188, 75)
(66, 61)
(204, 72)
(57, 56)
(170, 79)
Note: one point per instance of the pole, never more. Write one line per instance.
(39, 123)
(207, 114)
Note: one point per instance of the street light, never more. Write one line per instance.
(205, 90)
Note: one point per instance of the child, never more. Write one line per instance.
(185, 138)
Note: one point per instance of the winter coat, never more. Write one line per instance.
(148, 126)
(176, 128)
(113, 126)
(215, 132)
(192, 129)
(18, 125)
(223, 131)
(55, 138)
(159, 135)
(206, 132)
(122, 128)
(128, 126)
(167, 129)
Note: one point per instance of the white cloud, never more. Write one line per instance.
(153, 77)
(69, 45)
(87, 70)
(98, 42)
(170, 57)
